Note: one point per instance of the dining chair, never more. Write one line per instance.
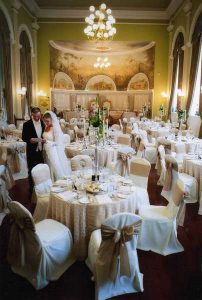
(139, 172)
(42, 185)
(124, 139)
(112, 256)
(39, 252)
(172, 175)
(80, 162)
(161, 165)
(159, 224)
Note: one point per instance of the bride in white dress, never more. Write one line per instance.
(54, 147)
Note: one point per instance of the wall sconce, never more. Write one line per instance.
(22, 91)
(164, 95)
(41, 93)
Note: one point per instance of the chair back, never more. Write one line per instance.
(42, 179)
(24, 249)
(171, 172)
(116, 127)
(124, 139)
(180, 148)
(176, 206)
(139, 171)
(174, 117)
(80, 162)
(140, 167)
(119, 239)
(12, 126)
(194, 123)
(66, 139)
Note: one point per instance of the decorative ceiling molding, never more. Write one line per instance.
(119, 14)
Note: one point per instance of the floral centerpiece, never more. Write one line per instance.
(181, 114)
(161, 110)
(97, 117)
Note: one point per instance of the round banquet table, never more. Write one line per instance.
(106, 154)
(83, 218)
(193, 167)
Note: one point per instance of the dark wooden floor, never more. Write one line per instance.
(174, 277)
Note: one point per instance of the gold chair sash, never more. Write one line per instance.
(140, 168)
(113, 253)
(170, 165)
(24, 248)
(125, 157)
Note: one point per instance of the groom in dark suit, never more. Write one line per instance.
(32, 134)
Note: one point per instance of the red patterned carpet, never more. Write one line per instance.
(174, 277)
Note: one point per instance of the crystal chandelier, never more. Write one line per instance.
(102, 62)
(100, 23)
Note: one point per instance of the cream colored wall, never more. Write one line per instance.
(19, 19)
(183, 21)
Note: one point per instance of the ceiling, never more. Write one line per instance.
(114, 4)
(124, 10)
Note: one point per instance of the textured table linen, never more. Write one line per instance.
(82, 219)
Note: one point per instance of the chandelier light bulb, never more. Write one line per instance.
(108, 11)
(103, 6)
(102, 62)
(92, 8)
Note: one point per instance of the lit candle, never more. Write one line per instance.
(84, 127)
(185, 115)
(103, 130)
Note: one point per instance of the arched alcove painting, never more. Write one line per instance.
(63, 81)
(101, 83)
(77, 60)
(138, 82)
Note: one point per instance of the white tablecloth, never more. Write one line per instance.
(82, 218)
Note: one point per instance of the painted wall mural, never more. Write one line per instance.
(72, 66)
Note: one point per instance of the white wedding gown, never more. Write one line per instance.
(55, 157)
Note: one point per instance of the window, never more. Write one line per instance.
(194, 108)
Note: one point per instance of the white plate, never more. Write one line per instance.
(122, 196)
(57, 189)
(127, 181)
(84, 200)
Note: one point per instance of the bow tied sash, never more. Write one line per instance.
(125, 158)
(113, 252)
(168, 178)
(24, 244)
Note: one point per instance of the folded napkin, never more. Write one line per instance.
(125, 189)
(62, 183)
(67, 196)
(102, 199)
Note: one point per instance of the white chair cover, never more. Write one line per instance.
(174, 117)
(161, 165)
(139, 172)
(194, 123)
(66, 139)
(159, 229)
(80, 162)
(114, 262)
(39, 253)
(172, 175)
(116, 127)
(12, 126)
(42, 185)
